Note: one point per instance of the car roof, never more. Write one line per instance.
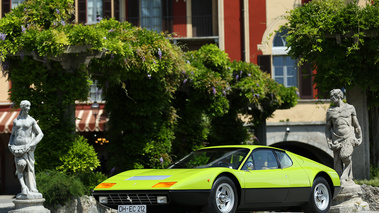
(241, 146)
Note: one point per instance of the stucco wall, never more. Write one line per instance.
(4, 87)
(304, 111)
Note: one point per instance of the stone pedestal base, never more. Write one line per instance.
(349, 200)
(30, 206)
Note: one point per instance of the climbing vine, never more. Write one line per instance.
(157, 97)
(215, 92)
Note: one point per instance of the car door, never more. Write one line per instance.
(265, 181)
(300, 186)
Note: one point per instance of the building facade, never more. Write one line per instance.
(245, 29)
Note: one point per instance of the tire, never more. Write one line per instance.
(320, 197)
(223, 197)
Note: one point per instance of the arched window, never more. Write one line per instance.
(284, 68)
(280, 39)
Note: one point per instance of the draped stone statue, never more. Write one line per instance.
(26, 134)
(343, 133)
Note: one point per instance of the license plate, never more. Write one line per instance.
(132, 209)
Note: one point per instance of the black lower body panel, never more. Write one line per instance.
(178, 200)
(263, 199)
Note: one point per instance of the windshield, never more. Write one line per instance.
(218, 157)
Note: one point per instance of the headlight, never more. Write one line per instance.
(105, 185)
(103, 199)
(161, 199)
(163, 185)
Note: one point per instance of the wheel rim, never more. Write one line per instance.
(224, 198)
(321, 196)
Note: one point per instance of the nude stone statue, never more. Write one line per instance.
(343, 133)
(26, 134)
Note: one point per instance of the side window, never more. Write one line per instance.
(264, 159)
(249, 165)
(284, 159)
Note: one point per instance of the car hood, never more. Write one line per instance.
(146, 179)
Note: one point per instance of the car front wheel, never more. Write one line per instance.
(223, 197)
(320, 198)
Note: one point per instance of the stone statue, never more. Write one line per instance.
(343, 133)
(26, 134)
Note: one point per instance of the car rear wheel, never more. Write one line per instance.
(223, 197)
(320, 198)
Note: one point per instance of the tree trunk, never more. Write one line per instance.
(261, 132)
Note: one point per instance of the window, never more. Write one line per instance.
(285, 160)
(264, 159)
(15, 3)
(94, 11)
(285, 70)
(216, 157)
(95, 93)
(202, 20)
(151, 15)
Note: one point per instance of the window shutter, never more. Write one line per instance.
(167, 14)
(107, 8)
(306, 84)
(264, 63)
(202, 18)
(116, 8)
(82, 11)
(72, 19)
(6, 7)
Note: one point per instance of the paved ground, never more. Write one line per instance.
(6, 204)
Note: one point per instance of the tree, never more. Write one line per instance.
(340, 40)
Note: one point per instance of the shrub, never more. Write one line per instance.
(91, 180)
(81, 157)
(80, 161)
(374, 172)
(372, 182)
(374, 178)
(57, 187)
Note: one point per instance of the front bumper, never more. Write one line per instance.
(176, 198)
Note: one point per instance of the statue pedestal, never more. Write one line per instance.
(29, 205)
(349, 200)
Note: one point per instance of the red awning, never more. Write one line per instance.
(6, 119)
(85, 120)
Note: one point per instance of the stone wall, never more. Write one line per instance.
(370, 194)
(85, 204)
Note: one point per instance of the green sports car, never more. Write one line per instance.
(222, 179)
